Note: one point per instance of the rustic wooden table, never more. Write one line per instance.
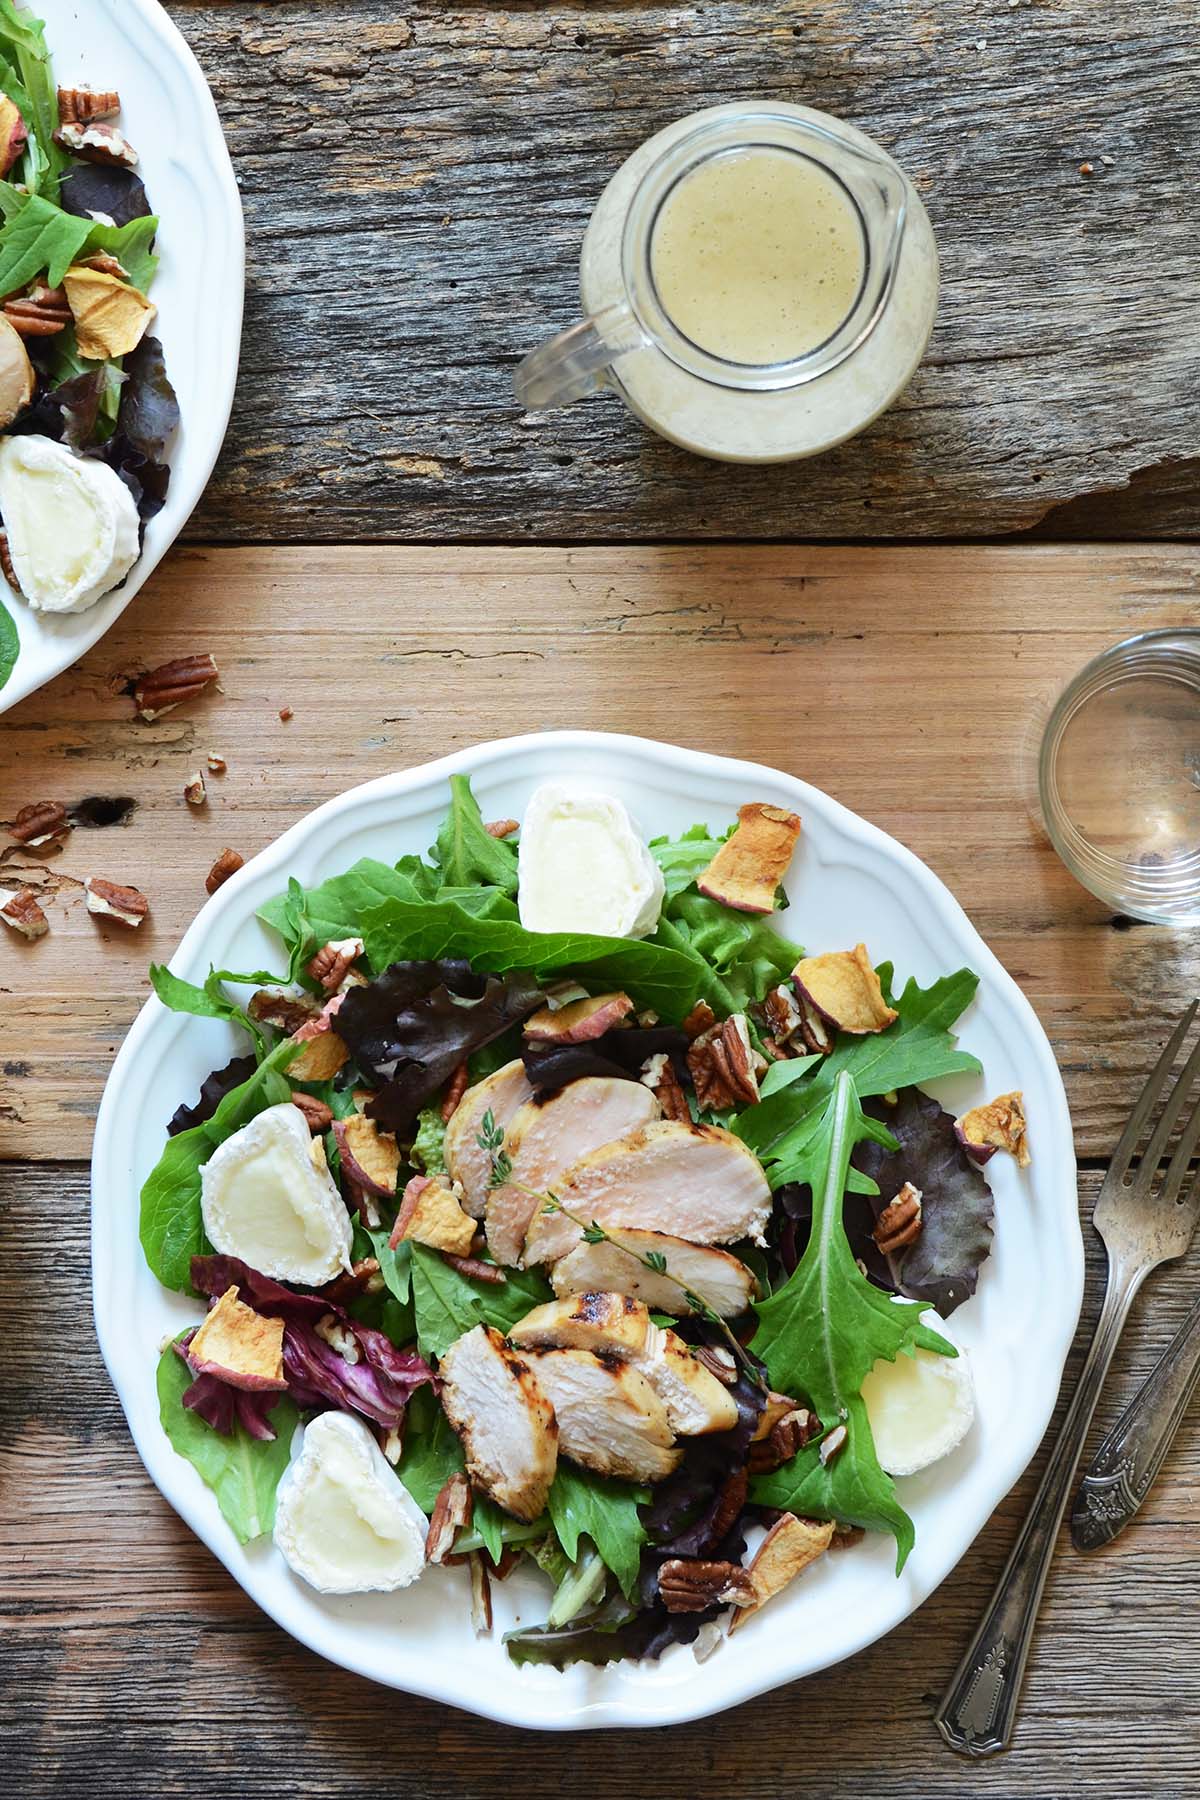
(409, 178)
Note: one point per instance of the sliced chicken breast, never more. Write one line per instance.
(613, 1325)
(609, 1417)
(714, 1276)
(503, 1094)
(546, 1137)
(506, 1423)
(695, 1181)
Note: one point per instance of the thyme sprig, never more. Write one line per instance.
(491, 1139)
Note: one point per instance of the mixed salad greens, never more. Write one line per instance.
(624, 1236)
(81, 378)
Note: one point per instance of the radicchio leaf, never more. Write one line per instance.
(89, 188)
(223, 1406)
(213, 1090)
(619, 1053)
(409, 1029)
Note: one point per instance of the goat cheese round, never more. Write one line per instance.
(344, 1521)
(264, 1200)
(72, 524)
(584, 866)
(920, 1407)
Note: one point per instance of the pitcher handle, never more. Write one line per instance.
(572, 365)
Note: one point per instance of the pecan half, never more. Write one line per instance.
(502, 828)
(6, 564)
(701, 1019)
(172, 683)
(899, 1224)
(451, 1514)
(109, 900)
(721, 1061)
(97, 143)
(786, 1439)
(658, 1074)
(19, 908)
(227, 864)
(41, 312)
(41, 822)
(333, 962)
(689, 1585)
(286, 1012)
(194, 790)
(80, 105)
(718, 1361)
(318, 1116)
(456, 1087)
(729, 1505)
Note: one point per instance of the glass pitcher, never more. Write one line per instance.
(713, 402)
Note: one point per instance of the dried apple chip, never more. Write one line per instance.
(1000, 1125)
(369, 1156)
(843, 988)
(239, 1346)
(430, 1214)
(748, 868)
(111, 316)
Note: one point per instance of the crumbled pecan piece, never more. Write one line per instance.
(109, 900)
(19, 908)
(41, 312)
(777, 1407)
(787, 1437)
(6, 564)
(701, 1019)
(333, 962)
(286, 713)
(451, 1514)
(688, 1585)
(721, 1061)
(41, 822)
(80, 105)
(845, 1536)
(364, 1277)
(318, 1115)
(194, 790)
(481, 1594)
(456, 1087)
(832, 1442)
(97, 143)
(286, 1012)
(729, 1505)
(474, 1269)
(899, 1224)
(103, 264)
(172, 683)
(216, 764)
(785, 1021)
(658, 1074)
(502, 828)
(718, 1361)
(227, 864)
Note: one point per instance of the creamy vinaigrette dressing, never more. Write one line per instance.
(758, 255)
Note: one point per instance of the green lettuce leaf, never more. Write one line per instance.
(448, 1303)
(429, 1144)
(606, 1511)
(29, 82)
(466, 854)
(822, 1332)
(171, 1225)
(10, 645)
(744, 954)
(209, 1001)
(337, 907)
(40, 239)
(431, 1453)
(131, 244)
(684, 858)
(242, 1471)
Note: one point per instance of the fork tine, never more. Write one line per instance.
(1123, 1154)
(1177, 1168)
(1170, 1113)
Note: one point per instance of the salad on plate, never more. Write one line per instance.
(563, 1210)
(86, 408)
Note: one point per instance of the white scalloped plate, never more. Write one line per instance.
(171, 120)
(849, 881)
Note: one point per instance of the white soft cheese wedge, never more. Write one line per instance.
(920, 1407)
(584, 866)
(265, 1200)
(344, 1520)
(71, 521)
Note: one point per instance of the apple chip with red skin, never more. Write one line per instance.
(239, 1346)
(580, 1021)
(843, 988)
(1000, 1125)
(748, 868)
(430, 1214)
(369, 1156)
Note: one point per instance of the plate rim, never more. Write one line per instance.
(757, 1676)
(211, 152)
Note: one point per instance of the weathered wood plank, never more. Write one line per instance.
(908, 683)
(133, 1666)
(416, 185)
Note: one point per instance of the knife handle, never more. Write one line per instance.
(1123, 1469)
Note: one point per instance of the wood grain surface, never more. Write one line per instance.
(134, 1668)
(910, 684)
(417, 179)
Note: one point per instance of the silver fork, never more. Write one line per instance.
(1144, 1219)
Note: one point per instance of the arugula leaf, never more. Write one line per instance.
(822, 1333)
(684, 858)
(918, 1047)
(208, 1002)
(606, 1511)
(171, 1225)
(466, 853)
(242, 1471)
(428, 1146)
(10, 645)
(35, 92)
(40, 238)
(670, 981)
(394, 1265)
(448, 1303)
(744, 953)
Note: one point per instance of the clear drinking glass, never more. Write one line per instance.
(1119, 776)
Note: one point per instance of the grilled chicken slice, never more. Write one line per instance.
(503, 1094)
(695, 1181)
(609, 1417)
(714, 1276)
(613, 1325)
(546, 1137)
(506, 1423)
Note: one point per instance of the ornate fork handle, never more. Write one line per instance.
(978, 1709)
(1130, 1457)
